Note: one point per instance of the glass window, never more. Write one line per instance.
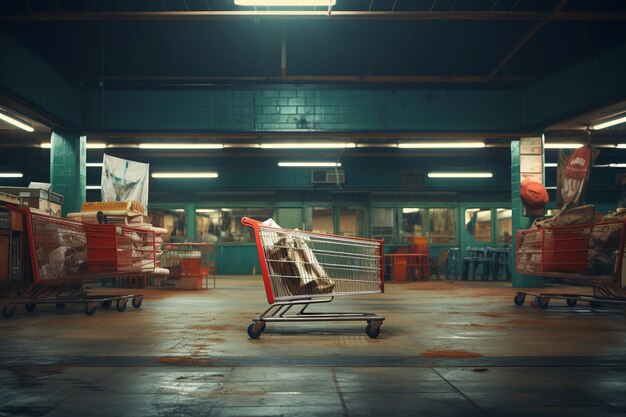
(504, 228)
(173, 220)
(260, 214)
(207, 225)
(231, 229)
(322, 220)
(442, 225)
(413, 223)
(384, 224)
(478, 224)
(350, 221)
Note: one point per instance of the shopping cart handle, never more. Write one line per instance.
(247, 221)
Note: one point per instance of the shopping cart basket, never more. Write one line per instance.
(66, 254)
(590, 253)
(303, 268)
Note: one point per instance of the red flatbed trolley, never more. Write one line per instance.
(66, 254)
(591, 253)
(302, 268)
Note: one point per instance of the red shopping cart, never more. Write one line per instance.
(590, 253)
(66, 254)
(303, 268)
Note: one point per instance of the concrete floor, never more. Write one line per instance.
(446, 349)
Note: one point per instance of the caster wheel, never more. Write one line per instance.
(542, 302)
(90, 310)
(519, 299)
(30, 307)
(106, 303)
(121, 305)
(60, 306)
(8, 311)
(595, 304)
(571, 303)
(372, 334)
(255, 334)
(137, 302)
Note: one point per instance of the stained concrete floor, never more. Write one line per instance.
(446, 349)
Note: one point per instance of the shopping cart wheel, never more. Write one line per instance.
(542, 302)
(137, 302)
(372, 333)
(106, 303)
(595, 304)
(90, 309)
(519, 299)
(121, 305)
(571, 303)
(60, 306)
(255, 334)
(30, 307)
(8, 311)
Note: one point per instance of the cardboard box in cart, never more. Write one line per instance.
(38, 200)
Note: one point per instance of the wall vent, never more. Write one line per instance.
(328, 176)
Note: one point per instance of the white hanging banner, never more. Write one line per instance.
(124, 180)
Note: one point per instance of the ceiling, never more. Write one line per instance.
(473, 43)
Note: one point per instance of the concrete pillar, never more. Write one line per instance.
(190, 221)
(68, 154)
(519, 221)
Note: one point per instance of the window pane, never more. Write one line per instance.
(478, 224)
(172, 220)
(231, 229)
(207, 225)
(442, 225)
(504, 228)
(413, 223)
(323, 220)
(350, 221)
(384, 224)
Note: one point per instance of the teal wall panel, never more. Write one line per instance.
(305, 109)
(233, 259)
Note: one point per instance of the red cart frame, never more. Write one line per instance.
(66, 254)
(301, 268)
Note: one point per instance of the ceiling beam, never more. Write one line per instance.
(182, 81)
(527, 37)
(312, 15)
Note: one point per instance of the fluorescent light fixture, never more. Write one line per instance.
(610, 123)
(440, 145)
(551, 188)
(94, 145)
(562, 145)
(93, 187)
(617, 165)
(460, 175)
(308, 145)
(184, 175)
(206, 210)
(15, 122)
(286, 3)
(410, 210)
(94, 164)
(621, 146)
(11, 175)
(309, 164)
(179, 210)
(550, 165)
(180, 146)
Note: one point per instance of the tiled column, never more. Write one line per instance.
(190, 221)
(67, 169)
(519, 221)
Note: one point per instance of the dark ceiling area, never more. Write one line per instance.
(471, 43)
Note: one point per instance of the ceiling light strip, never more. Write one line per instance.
(308, 145)
(181, 146)
(460, 175)
(610, 123)
(184, 175)
(440, 145)
(92, 145)
(15, 122)
(11, 175)
(309, 164)
(285, 3)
